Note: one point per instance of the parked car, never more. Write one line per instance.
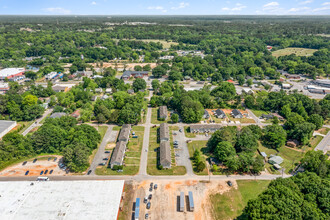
(135, 136)
(229, 183)
(155, 186)
(49, 158)
(42, 172)
(151, 184)
(25, 162)
(89, 172)
(180, 130)
(105, 158)
(102, 164)
(55, 159)
(176, 143)
(148, 205)
(150, 196)
(174, 133)
(150, 189)
(51, 171)
(146, 216)
(27, 173)
(35, 160)
(107, 152)
(145, 200)
(46, 171)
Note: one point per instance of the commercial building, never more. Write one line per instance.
(286, 86)
(204, 128)
(163, 112)
(11, 72)
(292, 76)
(165, 154)
(4, 87)
(322, 82)
(58, 88)
(164, 133)
(70, 200)
(6, 126)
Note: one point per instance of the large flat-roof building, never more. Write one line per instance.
(164, 132)
(11, 72)
(6, 126)
(70, 200)
(165, 154)
(322, 82)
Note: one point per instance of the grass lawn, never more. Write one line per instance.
(294, 50)
(291, 157)
(316, 140)
(23, 125)
(192, 146)
(187, 132)
(230, 205)
(132, 159)
(324, 131)
(116, 128)
(258, 113)
(153, 156)
(154, 117)
(242, 120)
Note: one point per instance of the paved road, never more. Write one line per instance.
(98, 158)
(255, 118)
(324, 145)
(184, 159)
(37, 122)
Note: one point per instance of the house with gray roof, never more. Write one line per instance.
(57, 115)
(204, 128)
(236, 114)
(275, 159)
(165, 154)
(164, 132)
(163, 112)
(206, 114)
(118, 154)
(219, 113)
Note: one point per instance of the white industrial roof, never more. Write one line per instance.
(60, 200)
(4, 125)
(10, 71)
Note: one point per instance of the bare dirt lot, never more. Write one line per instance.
(42, 164)
(165, 199)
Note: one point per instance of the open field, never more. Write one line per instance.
(230, 204)
(163, 42)
(294, 50)
(34, 169)
(258, 113)
(153, 156)
(201, 145)
(165, 199)
(132, 158)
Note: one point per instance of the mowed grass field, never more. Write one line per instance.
(294, 50)
(230, 205)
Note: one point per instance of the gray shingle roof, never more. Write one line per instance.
(164, 132)
(163, 111)
(118, 153)
(165, 154)
(124, 132)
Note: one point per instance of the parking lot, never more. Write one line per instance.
(35, 168)
(164, 203)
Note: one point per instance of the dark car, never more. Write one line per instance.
(26, 173)
(51, 171)
(107, 152)
(151, 184)
(106, 158)
(148, 205)
(25, 162)
(147, 216)
(229, 183)
(49, 158)
(150, 196)
(156, 186)
(35, 160)
(42, 172)
(89, 172)
(46, 171)
(55, 159)
(150, 189)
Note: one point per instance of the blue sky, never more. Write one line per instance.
(164, 7)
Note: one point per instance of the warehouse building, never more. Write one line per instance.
(322, 82)
(70, 200)
(6, 126)
(11, 72)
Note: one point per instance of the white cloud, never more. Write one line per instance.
(326, 3)
(271, 4)
(93, 3)
(159, 8)
(325, 8)
(272, 8)
(57, 10)
(305, 2)
(238, 7)
(299, 9)
(181, 5)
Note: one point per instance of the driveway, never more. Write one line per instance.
(37, 122)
